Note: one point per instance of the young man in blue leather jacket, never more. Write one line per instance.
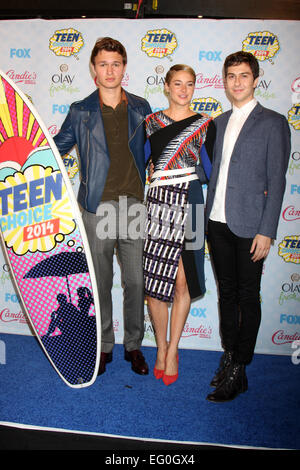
(108, 129)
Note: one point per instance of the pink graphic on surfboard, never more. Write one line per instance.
(44, 240)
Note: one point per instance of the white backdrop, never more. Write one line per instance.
(49, 61)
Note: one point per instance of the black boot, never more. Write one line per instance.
(225, 362)
(234, 383)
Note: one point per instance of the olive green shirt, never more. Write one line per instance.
(123, 178)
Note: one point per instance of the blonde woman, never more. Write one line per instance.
(181, 149)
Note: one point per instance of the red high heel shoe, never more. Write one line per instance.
(158, 373)
(170, 379)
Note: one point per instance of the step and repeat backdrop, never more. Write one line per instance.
(49, 61)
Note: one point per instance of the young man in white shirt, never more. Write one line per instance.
(243, 207)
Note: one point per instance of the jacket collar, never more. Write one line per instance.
(223, 121)
(92, 103)
(254, 113)
(123, 98)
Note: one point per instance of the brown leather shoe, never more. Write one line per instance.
(105, 358)
(138, 363)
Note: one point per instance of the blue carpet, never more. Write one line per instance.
(122, 403)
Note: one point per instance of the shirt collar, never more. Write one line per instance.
(123, 98)
(246, 109)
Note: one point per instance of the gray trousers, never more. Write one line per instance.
(112, 227)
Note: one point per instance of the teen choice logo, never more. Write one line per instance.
(289, 249)
(36, 212)
(66, 42)
(263, 45)
(209, 106)
(159, 43)
(71, 165)
(294, 116)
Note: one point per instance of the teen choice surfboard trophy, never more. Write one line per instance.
(45, 243)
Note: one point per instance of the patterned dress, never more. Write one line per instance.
(181, 164)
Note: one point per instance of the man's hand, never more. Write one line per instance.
(260, 247)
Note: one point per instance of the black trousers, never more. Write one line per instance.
(239, 281)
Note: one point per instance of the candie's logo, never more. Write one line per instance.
(7, 316)
(294, 116)
(159, 43)
(213, 81)
(296, 85)
(26, 78)
(263, 45)
(281, 337)
(210, 106)
(201, 331)
(290, 213)
(66, 42)
(289, 249)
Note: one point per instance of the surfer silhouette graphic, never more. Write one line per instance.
(67, 314)
(64, 316)
(85, 300)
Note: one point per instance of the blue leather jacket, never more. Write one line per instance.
(83, 127)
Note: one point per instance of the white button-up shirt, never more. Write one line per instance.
(234, 126)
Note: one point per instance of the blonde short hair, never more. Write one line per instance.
(179, 68)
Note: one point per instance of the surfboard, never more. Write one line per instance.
(45, 242)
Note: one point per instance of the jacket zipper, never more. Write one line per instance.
(87, 167)
(131, 151)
